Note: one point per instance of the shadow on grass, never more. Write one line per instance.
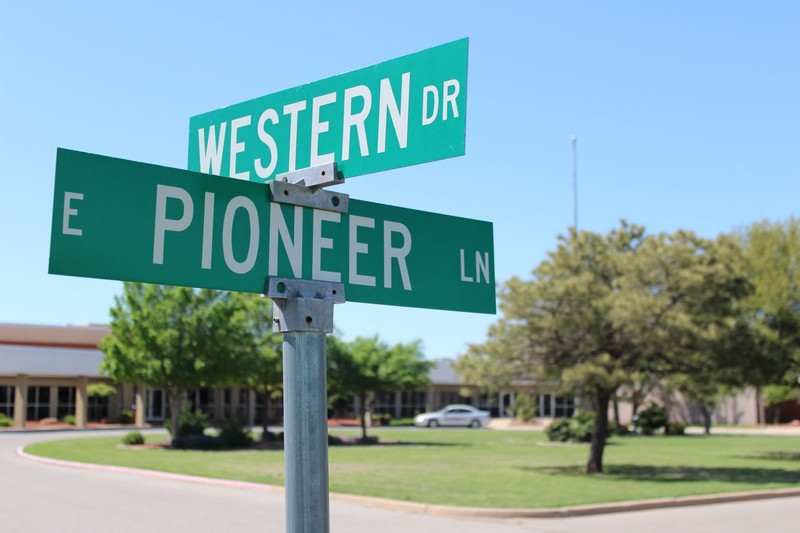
(776, 456)
(674, 474)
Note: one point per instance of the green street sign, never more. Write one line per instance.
(394, 114)
(117, 219)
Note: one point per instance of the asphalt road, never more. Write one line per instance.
(36, 498)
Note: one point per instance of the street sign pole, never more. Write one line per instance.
(303, 312)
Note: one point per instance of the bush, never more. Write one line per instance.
(125, 417)
(525, 407)
(402, 422)
(189, 423)
(69, 419)
(676, 428)
(581, 426)
(652, 418)
(575, 429)
(234, 434)
(382, 419)
(134, 438)
(558, 430)
(5, 422)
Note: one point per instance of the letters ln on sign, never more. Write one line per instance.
(394, 114)
(123, 220)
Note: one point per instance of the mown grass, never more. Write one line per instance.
(507, 469)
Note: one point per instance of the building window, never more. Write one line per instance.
(556, 406)
(545, 405)
(565, 407)
(7, 400)
(489, 403)
(98, 408)
(155, 404)
(448, 398)
(38, 403)
(242, 408)
(66, 402)
(383, 403)
(412, 403)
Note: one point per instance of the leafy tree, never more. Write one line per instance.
(264, 363)
(175, 338)
(602, 310)
(772, 251)
(101, 390)
(369, 366)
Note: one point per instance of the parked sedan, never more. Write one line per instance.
(453, 415)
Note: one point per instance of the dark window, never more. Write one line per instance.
(66, 402)
(7, 400)
(38, 403)
(545, 405)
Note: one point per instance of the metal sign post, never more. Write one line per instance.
(303, 312)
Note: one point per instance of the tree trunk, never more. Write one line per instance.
(616, 411)
(706, 419)
(175, 405)
(599, 432)
(363, 415)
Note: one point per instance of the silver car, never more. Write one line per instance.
(453, 415)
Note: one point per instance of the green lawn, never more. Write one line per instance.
(490, 468)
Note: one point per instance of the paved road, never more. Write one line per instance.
(41, 498)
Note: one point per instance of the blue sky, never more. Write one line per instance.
(687, 116)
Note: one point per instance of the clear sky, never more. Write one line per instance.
(687, 115)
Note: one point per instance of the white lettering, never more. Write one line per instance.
(355, 248)
(66, 229)
(240, 202)
(400, 254)
(429, 90)
(262, 171)
(293, 110)
(464, 276)
(318, 127)
(355, 120)
(164, 224)
(482, 266)
(319, 242)
(450, 97)
(293, 247)
(211, 154)
(208, 228)
(237, 147)
(399, 115)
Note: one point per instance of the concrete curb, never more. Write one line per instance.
(443, 510)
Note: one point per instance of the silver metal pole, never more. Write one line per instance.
(305, 432)
(303, 312)
(574, 140)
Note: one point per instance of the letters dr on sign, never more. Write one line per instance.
(394, 114)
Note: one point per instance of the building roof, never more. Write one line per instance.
(85, 336)
(442, 373)
(49, 362)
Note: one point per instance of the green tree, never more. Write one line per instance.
(772, 251)
(368, 366)
(264, 363)
(175, 338)
(602, 311)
